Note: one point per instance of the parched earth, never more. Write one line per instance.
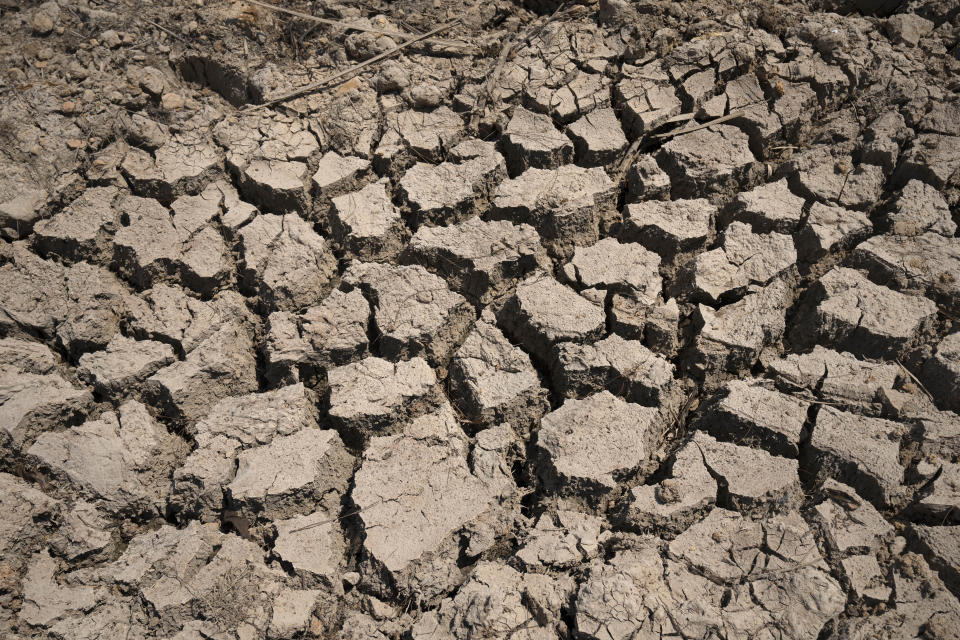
(614, 321)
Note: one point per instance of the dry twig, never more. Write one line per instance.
(310, 88)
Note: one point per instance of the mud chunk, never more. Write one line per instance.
(313, 545)
(45, 601)
(531, 140)
(941, 545)
(448, 193)
(750, 480)
(928, 263)
(769, 208)
(414, 311)
(82, 230)
(79, 306)
(647, 181)
(646, 98)
(336, 174)
(424, 135)
(859, 188)
(669, 227)
(829, 229)
(624, 367)
(286, 263)
(27, 514)
(496, 601)
(636, 317)
(869, 320)
(235, 423)
(883, 140)
(588, 446)
(941, 373)
(122, 460)
(745, 258)
(758, 256)
(866, 578)
(567, 205)
(931, 158)
(731, 338)
(907, 28)
(834, 376)
(480, 259)
(850, 523)
(741, 597)
(124, 364)
(276, 185)
(861, 451)
(920, 208)
(199, 573)
(366, 223)
(315, 472)
(31, 404)
(184, 164)
(167, 314)
(493, 381)
(712, 160)
(752, 414)
(921, 605)
(613, 266)
(598, 138)
(220, 366)
(543, 312)
(377, 396)
(330, 334)
(561, 540)
(155, 245)
(415, 493)
(28, 356)
(676, 502)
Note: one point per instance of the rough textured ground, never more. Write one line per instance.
(491, 340)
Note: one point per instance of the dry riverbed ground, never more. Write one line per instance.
(499, 337)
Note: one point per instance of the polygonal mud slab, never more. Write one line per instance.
(374, 396)
(492, 381)
(449, 193)
(834, 376)
(286, 263)
(544, 312)
(367, 224)
(588, 446)
(415, 492)
(754, 415)
(531, 140)
(414, 311)
(615, 266)
(769, 208)
(122, 460)
(480, 259)
(315, 473)
(860, 451)
(670, 227)
(859, 316)
(712, 160)
(567, 205)
(598, 138)
(623, 367)
(928, 263)
(125, 363)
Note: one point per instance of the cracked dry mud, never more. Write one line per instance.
(596, 320)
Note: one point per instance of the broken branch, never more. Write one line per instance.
(310, 88)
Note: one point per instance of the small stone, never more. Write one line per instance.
(172, 101)
(152, 81)
(42, 24)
